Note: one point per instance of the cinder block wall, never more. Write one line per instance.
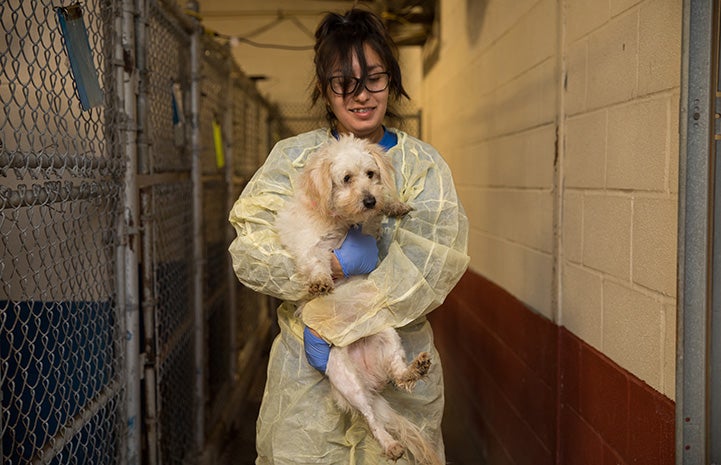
(620, 182)
(559, 119)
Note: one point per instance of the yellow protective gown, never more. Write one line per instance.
(423, 255)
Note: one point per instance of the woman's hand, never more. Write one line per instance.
(358, 254)
(316, 349)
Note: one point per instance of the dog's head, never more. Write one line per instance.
(350, 179)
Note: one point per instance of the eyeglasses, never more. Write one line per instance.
(347, 85)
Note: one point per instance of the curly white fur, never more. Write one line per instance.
(347, 182)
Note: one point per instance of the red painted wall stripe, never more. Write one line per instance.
(533, 393)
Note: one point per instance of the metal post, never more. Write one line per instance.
(695, 247)
(130, 244)
(229, 170)
(715, 328)
(198, 258)
(150, 419)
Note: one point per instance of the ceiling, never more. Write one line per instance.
(410, 22)
(272, 40)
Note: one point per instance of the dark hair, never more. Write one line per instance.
(339, 37)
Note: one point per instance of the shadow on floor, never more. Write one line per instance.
(240, 442)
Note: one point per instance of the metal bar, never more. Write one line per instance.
(120, 250)
(265, 13)
(715, 330)
(149, 180)
(52, 192)
(131, 245)
(212, 178)
(147, 225)
(33, 160)
(65, 434)
(232, 280)
(141, 47)
(150, 336)
(695, 232)
(198, 254)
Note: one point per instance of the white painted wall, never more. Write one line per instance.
(559, 119)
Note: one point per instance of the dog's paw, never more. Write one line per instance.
(321, 286)
(418, 368)
(394, 450)
(422, 364)
(397, 209)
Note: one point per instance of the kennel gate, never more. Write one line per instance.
(61, 344)
(115, 282)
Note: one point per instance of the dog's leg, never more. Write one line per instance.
(404, 375)
(417, 369)
(396, 209)
(317, 268)
(354, 392)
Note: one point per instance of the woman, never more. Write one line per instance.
(422, 256)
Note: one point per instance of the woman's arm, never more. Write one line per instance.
(259, 260)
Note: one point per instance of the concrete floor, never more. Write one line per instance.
(240, 443)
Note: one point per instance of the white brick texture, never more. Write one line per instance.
(559, 119)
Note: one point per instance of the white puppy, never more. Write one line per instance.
(349, 182)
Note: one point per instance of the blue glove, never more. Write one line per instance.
(316, 350)
(358, 254)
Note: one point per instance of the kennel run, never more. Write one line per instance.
(126, 134)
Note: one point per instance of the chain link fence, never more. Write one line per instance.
(124, 336)
(61, 169)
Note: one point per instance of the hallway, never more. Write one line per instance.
(582, 138)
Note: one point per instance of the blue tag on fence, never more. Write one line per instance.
(178, 115)
(80, 55)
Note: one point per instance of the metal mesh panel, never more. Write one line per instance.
(168, 65)
(169, 220)
(66, 390)
(263, 135)
(301, 118)
(171, 226)
(218, 346)
(60, 335)
(243, 165)
(167, 245)
(252, 125)
(213, 107)
(213, 91)
(177, 412)
(215, 281)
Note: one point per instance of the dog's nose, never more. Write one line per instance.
(369, 201)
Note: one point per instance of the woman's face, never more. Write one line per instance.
(361, 114)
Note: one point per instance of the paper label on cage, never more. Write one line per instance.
(80, 54)
(218, 140)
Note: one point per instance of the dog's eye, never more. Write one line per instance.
(346, 178)
(370, 174)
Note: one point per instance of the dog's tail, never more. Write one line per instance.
(420, 447)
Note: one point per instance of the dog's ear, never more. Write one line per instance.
(316, 181)
(385, 168)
